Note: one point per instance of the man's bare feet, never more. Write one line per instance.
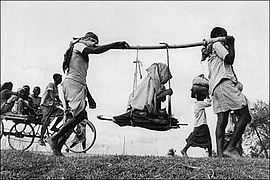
(54, 148)
(232, 153)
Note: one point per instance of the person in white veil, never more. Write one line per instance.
(151, 91)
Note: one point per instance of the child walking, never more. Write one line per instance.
(200, 137)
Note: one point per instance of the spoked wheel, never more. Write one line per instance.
(21, 136)
(82, 138)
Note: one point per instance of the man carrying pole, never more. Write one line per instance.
(74, 85)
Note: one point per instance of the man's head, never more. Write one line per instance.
(22, 93)
(57, 78)
(218, 32)
(7, 85)
(91, 39)
(27, 89)
(36, 91)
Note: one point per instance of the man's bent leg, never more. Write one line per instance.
(45, 122)
(67, 126)
(46, 112)
(62, 140)
(43, 130)
(222, 121)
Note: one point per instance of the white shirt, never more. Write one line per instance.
(78, 65)
(46, 99)
(218, 69)
(199, 112)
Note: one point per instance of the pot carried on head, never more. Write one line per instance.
(200, 84)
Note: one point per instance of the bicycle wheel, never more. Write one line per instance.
(21, 136)
(77, 142)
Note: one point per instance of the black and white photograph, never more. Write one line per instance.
(134, 90)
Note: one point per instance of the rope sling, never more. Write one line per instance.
(169, 82)
(121, 121)
(138, 65)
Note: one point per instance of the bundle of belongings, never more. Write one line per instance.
(200, 85)
(144, 104)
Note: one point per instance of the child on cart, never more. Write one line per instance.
(18, 104)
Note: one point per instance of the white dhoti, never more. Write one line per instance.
(75, 94)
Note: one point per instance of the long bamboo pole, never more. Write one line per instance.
(175, 46)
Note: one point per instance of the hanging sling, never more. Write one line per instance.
(141, 118)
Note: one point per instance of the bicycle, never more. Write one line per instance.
(22, 134)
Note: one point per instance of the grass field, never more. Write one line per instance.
(28, 165)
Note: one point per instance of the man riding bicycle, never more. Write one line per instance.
(49, 102)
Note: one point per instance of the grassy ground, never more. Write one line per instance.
(28, 165)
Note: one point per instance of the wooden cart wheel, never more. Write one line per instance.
(21, 136)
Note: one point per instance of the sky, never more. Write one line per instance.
(35, 35)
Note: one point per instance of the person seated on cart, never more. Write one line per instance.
(151, 92)
(20, 104)
(6, 93)
(36, 99)
(32, 113)
(27, 94)
(49, 105)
